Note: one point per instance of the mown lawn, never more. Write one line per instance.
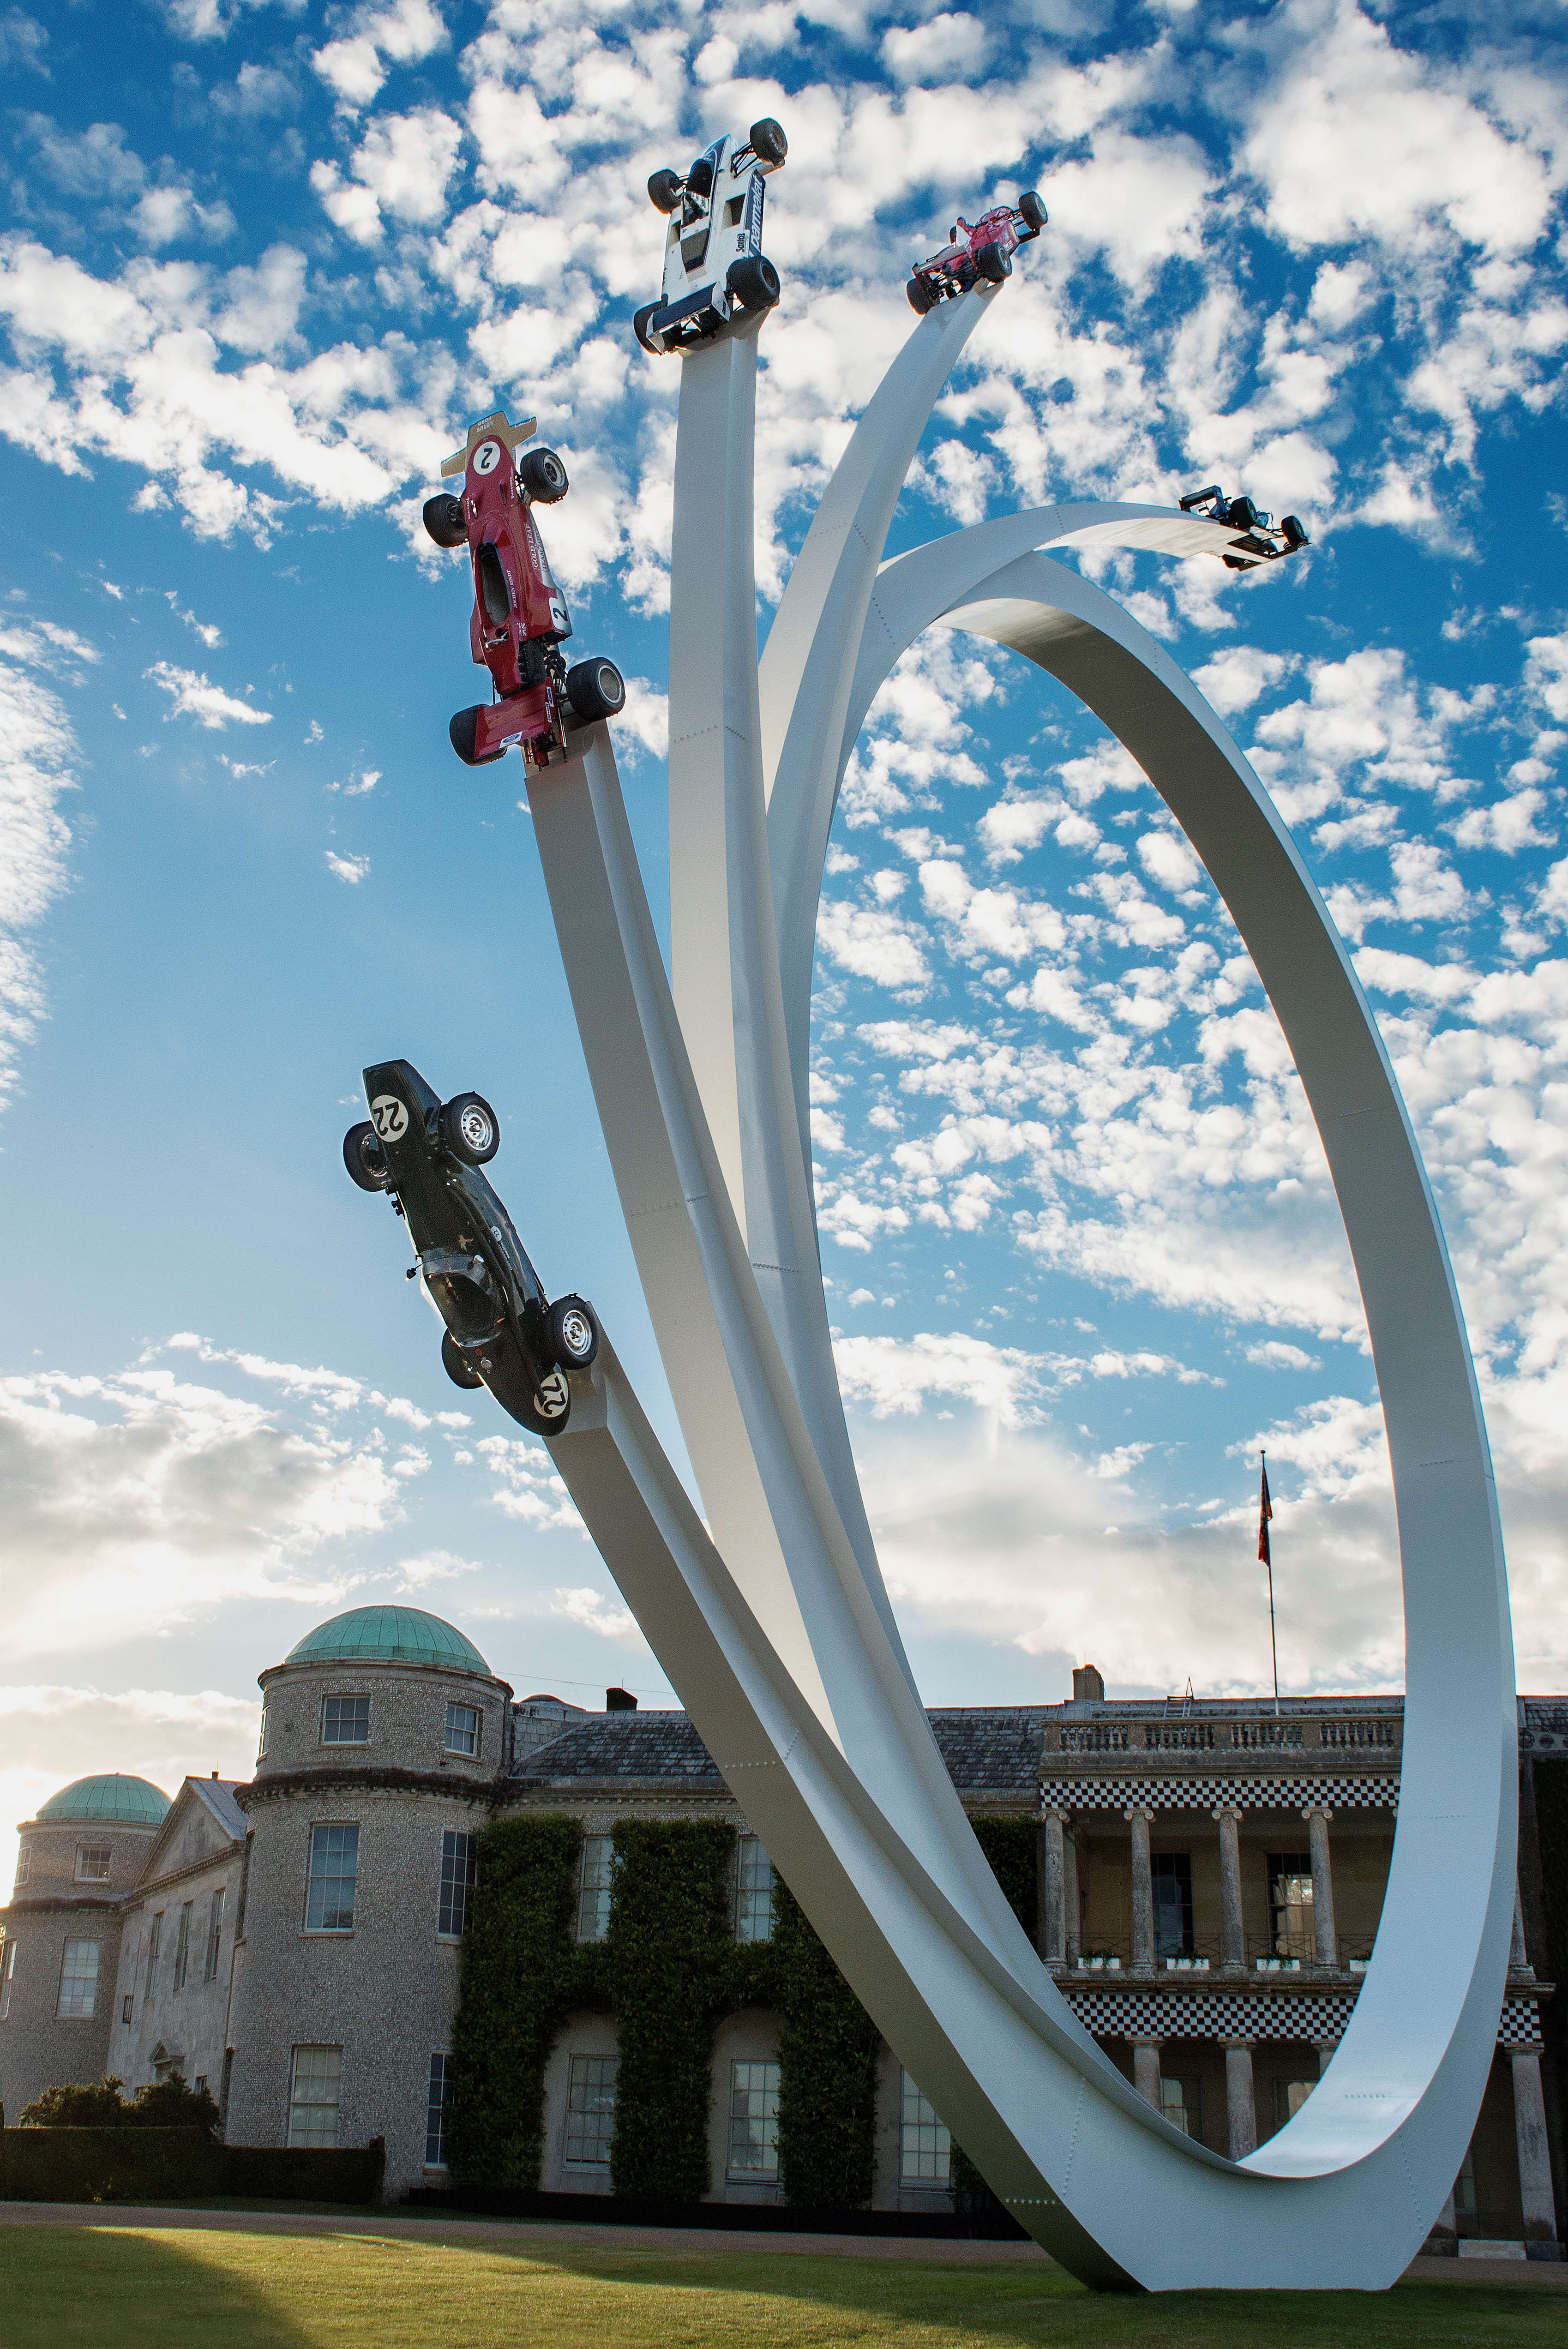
(121, 2288)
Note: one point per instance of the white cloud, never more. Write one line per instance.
(400, 169)
(38, 758)
(143, 1501)
(352, 869)
(194, 697)
(592, 1611)
(355, 65)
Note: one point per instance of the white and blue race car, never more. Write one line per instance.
(714, 267)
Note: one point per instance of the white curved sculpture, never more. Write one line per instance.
(776, 1631)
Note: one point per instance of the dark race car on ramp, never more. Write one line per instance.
(502, 1332)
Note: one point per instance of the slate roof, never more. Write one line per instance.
(984, 1746)
(218, 1793)
(625, 1746)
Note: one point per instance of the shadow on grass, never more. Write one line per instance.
(101, 2285)
(1038, 2307)
(114, 2287)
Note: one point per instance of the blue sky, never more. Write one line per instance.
(261, 267)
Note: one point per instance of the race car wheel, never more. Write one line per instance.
(573, 1331)
(443, 518)
(992, 264)
(595, 688)
(456, 1363)
(462, 730)
(363, 1157)
(1033, 212)
(544, 476)
(754, 282)
(665, 191)
(920, 297)
(769, 143)
(471, 1128)
(640, 327)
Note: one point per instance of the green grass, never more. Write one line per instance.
(164, 2289)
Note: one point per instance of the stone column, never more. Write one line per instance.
(1518, 1954)
(1326, 2048)
(1053, 1885)
(1240, 2103)
(1146, 2069)
(1529, 2136)
(1233, 1940)
(1317, 1820)
(1073, 1913)
(1142, 1889)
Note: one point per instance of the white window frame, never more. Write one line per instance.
(437, 2084)
(466, 1859)
(925, 2146)
(1181, 2102)
(8, 1975)
(596, 1880)
(590, 2089)
(24, 1866)
(304, 2129)
(214, 1933)
(182, 1944)
(77, 2012)
(97, 1851)
(349, 1696)
(469, 1753)
(327, 1828)
(154, 1936)
(754, 1881)
(753, 2142)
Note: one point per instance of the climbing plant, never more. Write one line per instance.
(667, 1948)
(669, 1972)
(827, 2072)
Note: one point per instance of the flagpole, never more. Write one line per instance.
(1266, 1547)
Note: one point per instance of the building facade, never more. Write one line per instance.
(1203, 1878)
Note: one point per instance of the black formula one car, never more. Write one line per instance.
(501, 1333)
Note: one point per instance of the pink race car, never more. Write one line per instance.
(984, 251)
(519, 619)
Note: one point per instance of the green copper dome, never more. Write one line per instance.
(111, 1801)
(388, 1635)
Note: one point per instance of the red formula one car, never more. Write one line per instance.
(519, 619)
(984, 251)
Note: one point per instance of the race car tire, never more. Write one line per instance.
(1033, 212)
(595, 688)
(754, 282)
(767, 141)
(462, 730)
(573, 1331)
(363, 1157)
(443, 519)
(665, 191)
(1291, 531)
(544, 476)
(699, 179)
(471, 1128)
(456, 1363)
(992, 264)
(640, 327)
(920, 297)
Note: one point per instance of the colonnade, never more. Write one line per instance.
(1061, 1936)
(1060, 1948)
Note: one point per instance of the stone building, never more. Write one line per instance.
(1205, 1879)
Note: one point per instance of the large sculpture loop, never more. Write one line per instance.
(772, 1621)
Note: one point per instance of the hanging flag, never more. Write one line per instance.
(1266, 1512)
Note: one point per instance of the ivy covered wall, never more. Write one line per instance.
(669, 1970)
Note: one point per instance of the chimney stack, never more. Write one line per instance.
(620, 1700)
(1088, 1684)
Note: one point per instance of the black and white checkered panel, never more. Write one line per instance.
(1239, 2015)
(1257, 1792)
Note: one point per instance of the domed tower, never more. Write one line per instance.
(78, 1860)
(382, 1734)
